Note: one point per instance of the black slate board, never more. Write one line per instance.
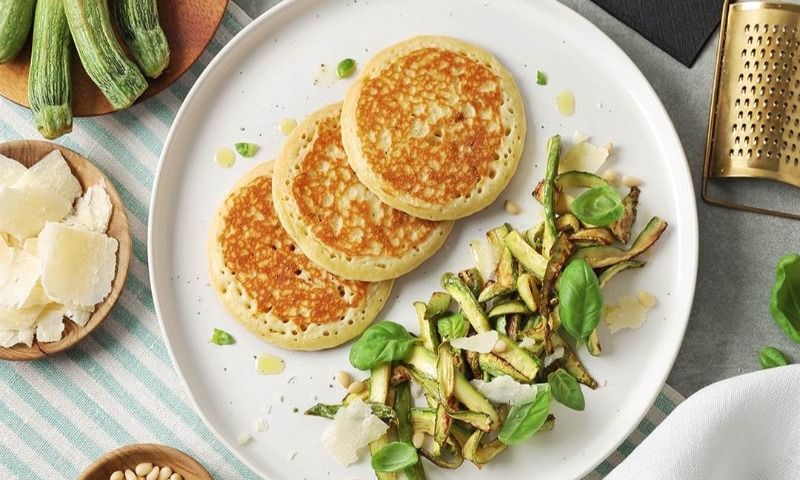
(679, 27)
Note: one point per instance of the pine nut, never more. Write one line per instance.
(512, 207)
(143, 469)
(344, 378)
(611, 176)
(118, 475)
(153, 475)
(356, 387)
(418, 439)
(609, 147)
(165, 473)
(631, 181)
(129, 475)
(647, 299)
(176, 476)
(500, 347)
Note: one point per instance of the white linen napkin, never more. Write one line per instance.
(747, 427)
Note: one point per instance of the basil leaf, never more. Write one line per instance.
(785, 301)
(566, 389)
(771, 357)
(600, 206)
(453, 326)
(526, 419)
(221, 337)
(394, 457)
(380, 343)
(580, 299)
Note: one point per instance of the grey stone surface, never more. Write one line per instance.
(730, 320)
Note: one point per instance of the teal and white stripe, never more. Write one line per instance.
(118, 387)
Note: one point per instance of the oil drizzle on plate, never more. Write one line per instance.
(267, 364)
(225, 157)
(565, 103)
(287, 126)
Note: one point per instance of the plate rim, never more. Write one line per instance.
(669, 137)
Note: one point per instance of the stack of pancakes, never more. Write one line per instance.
(304, 250)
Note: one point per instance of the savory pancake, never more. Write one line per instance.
(270, 287)
(334, 219)
(434, 127)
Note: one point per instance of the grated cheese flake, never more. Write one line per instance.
(352, 429)
(627, 313)
(482, 342)
(584, 157)
(19, 275)
(504, 389)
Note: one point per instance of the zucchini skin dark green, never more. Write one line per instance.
(101, 55)
(49, 84)
(16, 18)
(139, 27)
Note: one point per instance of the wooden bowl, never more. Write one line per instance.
(132, 455)
(28, 152)
(189, 26)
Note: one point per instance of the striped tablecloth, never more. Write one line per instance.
(118, 387)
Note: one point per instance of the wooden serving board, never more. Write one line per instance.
(189, 26)
(132, 455)
(28, 152)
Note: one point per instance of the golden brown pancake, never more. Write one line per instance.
(271, 287)
(334, 218)
(434, 127)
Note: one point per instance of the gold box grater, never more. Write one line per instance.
(754, 121)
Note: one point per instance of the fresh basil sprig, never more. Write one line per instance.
(566, 389)
(526, 419)
(394, 457)
(600, 206)
(453, 326)
(382, 342)
(580, 299)
(771, 357)
(784, 303)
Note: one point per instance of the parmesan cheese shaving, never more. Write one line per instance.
(628, 313)
(52, 173)
(92, 210)
(26, 210)
(50, 323)
(10, 170)
(482, 342)
(9, 338)
(504, 389)
(77, 266)
(352, 429)
(584, 157)
(19, 274)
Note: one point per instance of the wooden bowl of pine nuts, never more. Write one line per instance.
(145, 461)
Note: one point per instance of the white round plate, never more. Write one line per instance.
(268, 72)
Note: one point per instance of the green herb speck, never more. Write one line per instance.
(221, 337)
(541, 78)
(246, 150)
(346, 68)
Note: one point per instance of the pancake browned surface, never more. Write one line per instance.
(334, 218)
(271, 287)
(434, 127)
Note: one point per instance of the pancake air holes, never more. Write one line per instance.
(326, 333)
(292, 248)
(298, 272)
(480, 190)
(508, 131)
(349, 322)
(492, 174)
(294, 332)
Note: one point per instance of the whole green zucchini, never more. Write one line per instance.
(49, 86)
(101, 55)
(138, 25)
(16, 17)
